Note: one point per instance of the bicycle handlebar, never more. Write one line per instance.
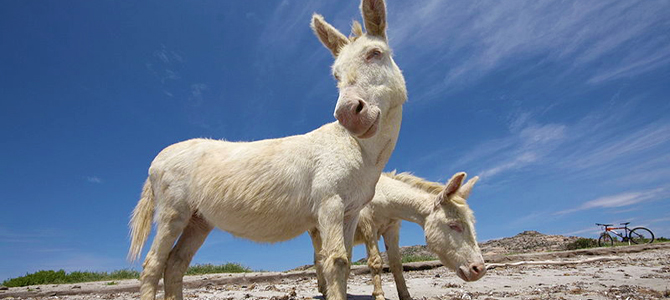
(598, 224)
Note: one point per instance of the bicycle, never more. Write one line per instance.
(637, 235)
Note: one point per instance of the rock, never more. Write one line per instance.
(271, 288)
(3, 288)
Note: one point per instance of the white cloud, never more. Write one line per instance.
(592, 230)
(524, 147)
(93, 179)
(195, 98)
(620, 200)
(608, 148)
(476, 37)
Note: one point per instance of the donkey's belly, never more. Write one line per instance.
(269, 226)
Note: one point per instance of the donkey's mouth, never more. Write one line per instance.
(461, 274)
(372, 129)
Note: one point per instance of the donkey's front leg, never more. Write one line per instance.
(350, 223)
(395, 261)
(335, 257)
(318, 259)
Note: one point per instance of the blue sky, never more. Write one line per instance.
(561, 107)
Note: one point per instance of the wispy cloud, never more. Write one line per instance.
(195, 98)
(528, 143)
(93, 179)
(10, 236)
(645, 138)
(165, 64)
(620, 200)
(477, 38)
(592, 230)
(599, 144)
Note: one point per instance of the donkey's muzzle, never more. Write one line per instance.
(358, 117)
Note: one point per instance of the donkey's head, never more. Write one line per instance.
(369, 81)
(450, 231)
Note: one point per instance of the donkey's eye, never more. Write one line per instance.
(374, 53)
(456, 227)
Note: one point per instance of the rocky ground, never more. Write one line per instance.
(633, 272)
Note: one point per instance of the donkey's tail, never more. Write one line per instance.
(140, 222)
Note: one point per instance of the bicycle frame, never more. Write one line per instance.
(625, 237)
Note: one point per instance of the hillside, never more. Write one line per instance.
(525, 242)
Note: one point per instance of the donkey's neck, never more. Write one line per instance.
(405, 202)
(377, 149)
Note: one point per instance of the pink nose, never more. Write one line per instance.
(354, 114)
(351, 110)
(477, 270)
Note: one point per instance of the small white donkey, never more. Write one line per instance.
(274, 190)
(442, 212)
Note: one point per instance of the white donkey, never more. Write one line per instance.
(274, 190)
(442, 212)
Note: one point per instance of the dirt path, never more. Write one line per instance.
(639, 272)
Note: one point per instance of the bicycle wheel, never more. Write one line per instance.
(641, 235)
(605, 240)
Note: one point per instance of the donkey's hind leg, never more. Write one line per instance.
(318, 259)
(170, 224)
(391, 241)
(375, 262)
(180, 257)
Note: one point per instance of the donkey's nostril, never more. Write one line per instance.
(360, 106)
(477, 269)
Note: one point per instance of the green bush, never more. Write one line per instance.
(414, 258)
(61, 277)
(582, 243)
(211, 269)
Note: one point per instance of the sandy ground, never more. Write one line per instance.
(642, 275)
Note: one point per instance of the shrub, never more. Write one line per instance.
(60, 276)
(210, 269)
(582, 243)
(414, 258)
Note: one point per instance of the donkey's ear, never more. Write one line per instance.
(452, 187)
(467, 187)
(328, 35)
(374, 16)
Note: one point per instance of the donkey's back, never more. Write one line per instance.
(266, 191)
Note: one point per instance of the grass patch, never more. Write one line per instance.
(62, 277)
(415, 258)
(582, 243)
(200, 269)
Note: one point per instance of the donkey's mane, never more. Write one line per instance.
(415, 181)
(356, 31)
